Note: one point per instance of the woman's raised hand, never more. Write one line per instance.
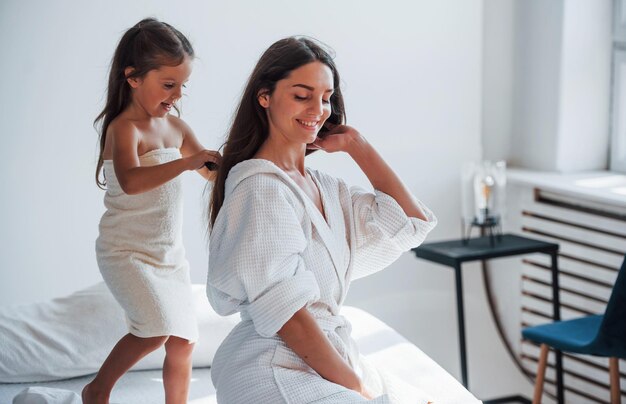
(338, 138)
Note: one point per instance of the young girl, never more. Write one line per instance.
(143, 150)
(286, 241)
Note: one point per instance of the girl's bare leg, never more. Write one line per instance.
(128, 351)
(177, 370)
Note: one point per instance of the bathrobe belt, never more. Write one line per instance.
(326, 323)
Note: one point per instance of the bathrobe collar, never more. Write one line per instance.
(251, 167)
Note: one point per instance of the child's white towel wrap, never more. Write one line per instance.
(141, 255)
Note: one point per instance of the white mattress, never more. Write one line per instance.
(378, 342)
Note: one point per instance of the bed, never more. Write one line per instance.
(53, 348)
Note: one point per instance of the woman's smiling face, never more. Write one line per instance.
(300, 103)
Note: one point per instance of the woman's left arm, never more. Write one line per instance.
(303, 335)
(381, 176)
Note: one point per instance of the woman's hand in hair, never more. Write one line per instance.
(378, 172)
(339, 138)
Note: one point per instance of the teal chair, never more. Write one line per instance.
(599, 335)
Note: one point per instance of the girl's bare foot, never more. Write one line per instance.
(91, 396)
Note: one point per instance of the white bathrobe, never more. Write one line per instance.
(271, 253)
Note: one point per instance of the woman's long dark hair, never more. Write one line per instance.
(146, 46)
(250, 127)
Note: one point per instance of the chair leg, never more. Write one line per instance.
(616, 394)
(541, 372)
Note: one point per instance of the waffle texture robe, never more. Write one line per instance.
(271, 253)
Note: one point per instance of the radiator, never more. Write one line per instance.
(592, 240)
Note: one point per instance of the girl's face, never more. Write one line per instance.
(300, 103)
(159, 89)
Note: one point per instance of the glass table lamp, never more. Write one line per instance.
(483, 190)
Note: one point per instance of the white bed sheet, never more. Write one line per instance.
(378, 342)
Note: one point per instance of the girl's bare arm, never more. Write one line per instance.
(135, 179)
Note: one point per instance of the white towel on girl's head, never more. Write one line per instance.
(141, 255)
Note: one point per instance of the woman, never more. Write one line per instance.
(286, 241)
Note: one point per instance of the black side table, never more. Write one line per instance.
(453, 253)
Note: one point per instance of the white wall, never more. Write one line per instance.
(537, 61)
(498, 73)
(412, 80)
(585, 86)
(546, 83)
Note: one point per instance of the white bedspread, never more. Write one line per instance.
(71, 336)
(378, 342)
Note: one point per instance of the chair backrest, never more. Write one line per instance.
(613, 328)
